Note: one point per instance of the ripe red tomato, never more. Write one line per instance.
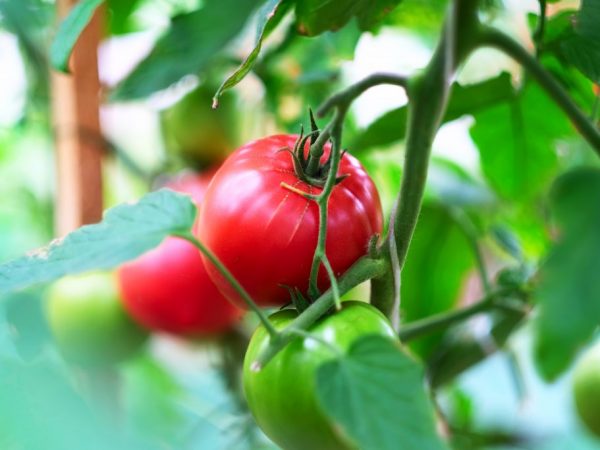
(266, 235)
(168, 288)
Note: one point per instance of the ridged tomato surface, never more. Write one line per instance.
(266, 234)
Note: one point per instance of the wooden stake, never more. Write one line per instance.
(79, 146)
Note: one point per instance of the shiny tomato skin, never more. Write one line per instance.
(168, 289)
(282, 395)
(266, 235)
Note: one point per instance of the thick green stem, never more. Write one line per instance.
(499, 40)
(234, 283)
(429, 95)
(431, 90)
(443, 320)
(364, 269)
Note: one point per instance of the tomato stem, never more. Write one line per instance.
(428, 94)
(440, 321)
(364, 269)
(334, 286)
(343, 99)
(459, 355)
(341, 103)
(273, 333)
(323, 199)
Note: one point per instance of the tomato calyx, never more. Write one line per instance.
(298, 300)
(312, 174)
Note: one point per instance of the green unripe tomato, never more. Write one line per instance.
(586, 389)
(88, 321)
(282, 395)
(200, 135)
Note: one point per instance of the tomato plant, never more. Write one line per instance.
(168, 289)
(586, 389)
(282, 396)
(284, 222)
(489, 190)
(89, 323)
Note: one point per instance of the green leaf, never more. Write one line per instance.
(451, 185)
(41, 410)
(374, 12)
(588, 20)
(26, 318)
(376, 394)
(569, 290)
(575, 38)
(468, 99)
(68, 33)
(314, 17)
(126, 232)
(517, 143)
(187, 48)
(119, 17)
(436, 268)
(311, 78)
(270, 15)
(583, 54)
(424, 17)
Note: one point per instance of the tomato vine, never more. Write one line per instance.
(428, 94)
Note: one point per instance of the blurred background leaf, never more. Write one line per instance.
(177, 54)
(569, 290)
(517, 143)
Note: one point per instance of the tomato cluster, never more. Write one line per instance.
(254, 217)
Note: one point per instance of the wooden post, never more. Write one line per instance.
(79, 147)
